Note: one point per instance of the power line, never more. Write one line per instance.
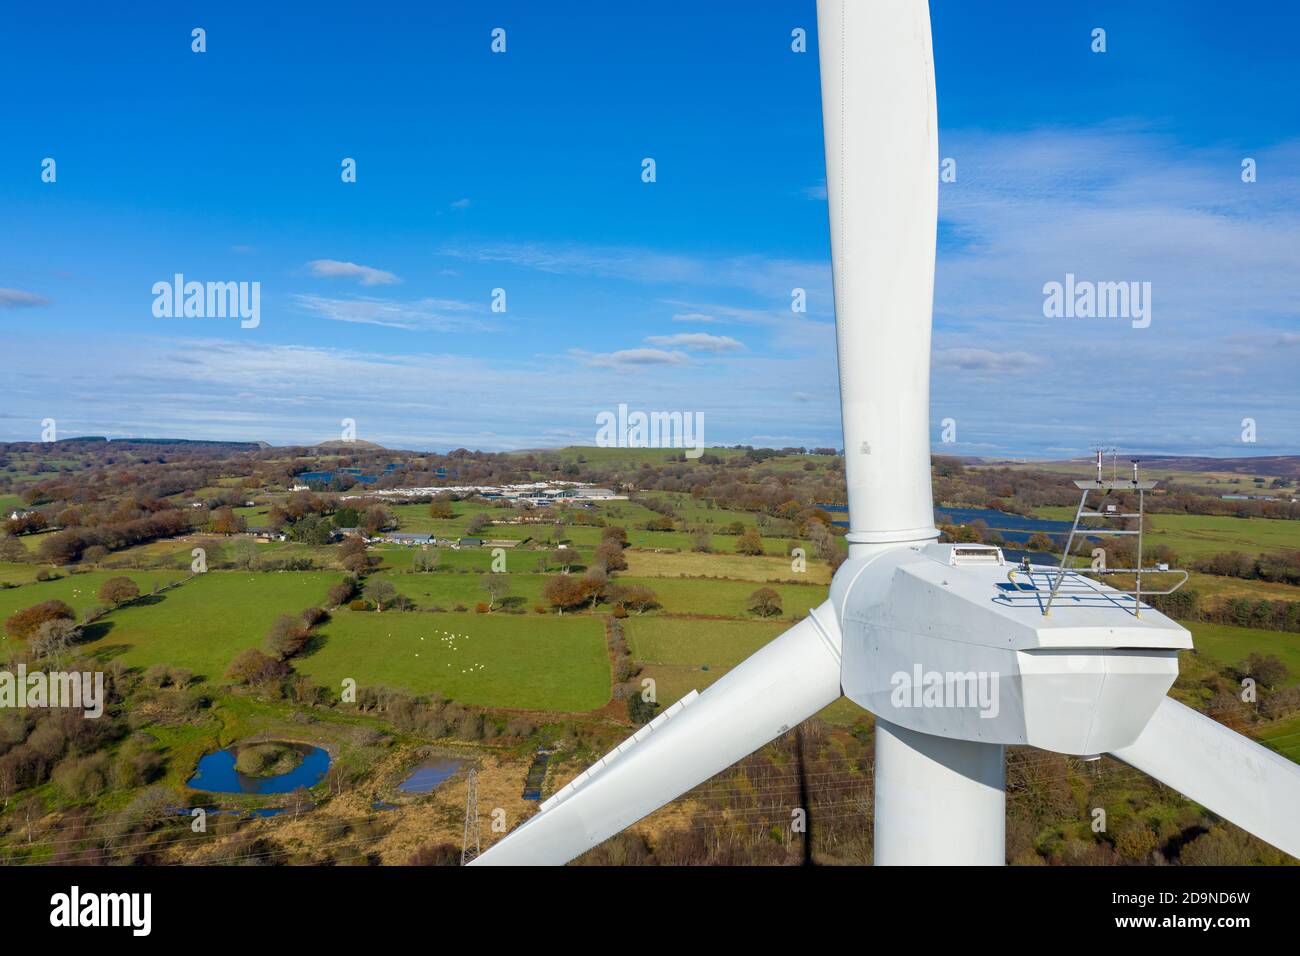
(471, 820)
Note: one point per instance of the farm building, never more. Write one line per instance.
(405, 538)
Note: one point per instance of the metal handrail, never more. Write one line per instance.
(1141, 487)
(1084, 572)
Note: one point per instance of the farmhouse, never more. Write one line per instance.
(404, 538)
(267, 534)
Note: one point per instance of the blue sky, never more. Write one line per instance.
(522, 170)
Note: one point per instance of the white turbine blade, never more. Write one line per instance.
(881, 132)
(784, 683)
(1223, 771)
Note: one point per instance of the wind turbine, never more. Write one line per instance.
(1090, 677)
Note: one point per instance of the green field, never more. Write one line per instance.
(1198, 536)
(676, 595)
(399, 558)
(693, 642)
(78, 591)
(447, 589)
(524, 661)
(654, 564)
(204, 623)
(1232, 645)
(1201, 536)
(676, 651)
(1217, 586)
(1284, 737)
(726, 598)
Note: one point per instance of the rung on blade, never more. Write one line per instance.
(585, 777)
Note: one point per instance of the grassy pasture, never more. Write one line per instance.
(723, 597)
(204, 623)
(676, 595)
(447, 589)
(532, 662)
(1213, 586)
(1201, 536)
(1283, 737)
(693, 642)
(668, 564)
(676, 650)
(518, 559)
(78, 591)
(1232, 645)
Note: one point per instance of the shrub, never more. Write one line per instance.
(54, 638)
(23, 624)
(82, 778)
(749, 543)
(287, 637)
(436, 854)
(93, 613)
(252, 667)
(159, 675)
(342, 592)
(640, 711)
(609, 555)
(312, 616)
(119, 590)
(764, 602)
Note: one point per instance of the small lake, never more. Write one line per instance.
(1011, 527)
(428, 775)
(217, 773)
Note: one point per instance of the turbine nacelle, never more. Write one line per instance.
(945, 639)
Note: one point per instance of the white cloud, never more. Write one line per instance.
(437, 315)
(631, 358)
(983, 360)
(18, 299)
(460, 204)
(698, 342)
(334, 269)
(763, 275)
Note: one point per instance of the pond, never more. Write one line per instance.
(1011, 527)
(217, 773)
(428, 775)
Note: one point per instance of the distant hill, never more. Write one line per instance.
(189, 442)
(338, 444)
(1275, 466)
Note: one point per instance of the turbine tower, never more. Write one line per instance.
(956, 653)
